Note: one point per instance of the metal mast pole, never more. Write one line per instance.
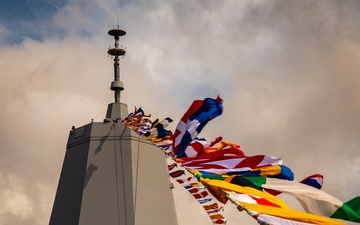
(117, 86)
(108, 170)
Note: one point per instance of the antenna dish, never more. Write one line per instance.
(116, 32)
(116, 52)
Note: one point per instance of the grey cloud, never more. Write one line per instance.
(287, 71)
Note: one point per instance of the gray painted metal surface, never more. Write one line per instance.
(112, 176)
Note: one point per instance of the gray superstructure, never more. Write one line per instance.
(111, 175)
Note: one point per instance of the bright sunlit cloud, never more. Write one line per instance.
(287, 71)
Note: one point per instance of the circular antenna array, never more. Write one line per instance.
(116, 51)
(116, 32)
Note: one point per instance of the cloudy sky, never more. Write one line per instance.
(288, 72)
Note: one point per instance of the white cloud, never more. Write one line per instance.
(287, 72)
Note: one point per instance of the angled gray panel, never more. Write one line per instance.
(68, 200)
(112, 176)
(153, 196)
(107, 197)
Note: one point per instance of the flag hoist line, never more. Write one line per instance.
(133, 121)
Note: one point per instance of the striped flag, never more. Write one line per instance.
(292, 215)
(158, 128)
(177, 173)
(315, 181)
(275, 171)
(191, 185)
(172, 166)
(217, 188)
(195, 148)
(214, 155)
(200, 146)
(315, 201)
(267, 219)
(205, 200)
(230, 163)
(213, 208)
(192, 123)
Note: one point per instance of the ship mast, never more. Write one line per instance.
(106, 171)
(117, 86)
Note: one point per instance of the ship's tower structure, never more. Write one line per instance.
(117, 86)
(111, 175)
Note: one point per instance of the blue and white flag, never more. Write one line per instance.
(193, 121)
